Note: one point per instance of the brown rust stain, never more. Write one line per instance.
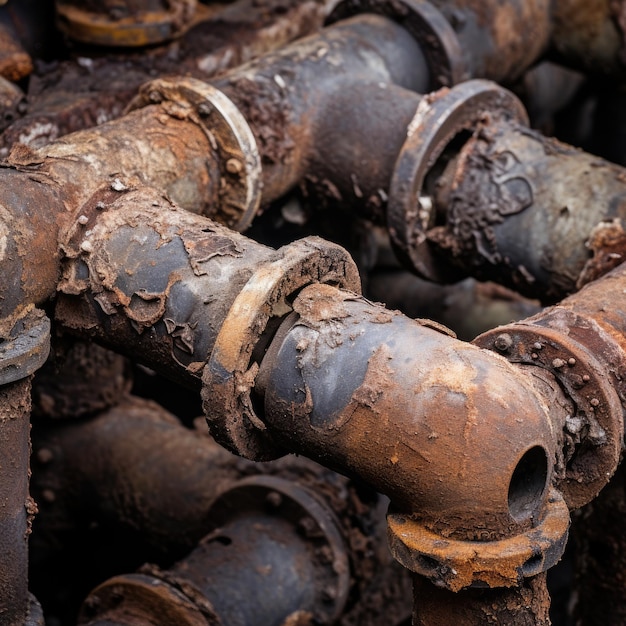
(607, 245)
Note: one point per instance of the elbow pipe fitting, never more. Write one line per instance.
(275, 553)
(406, 414)
(503, 203)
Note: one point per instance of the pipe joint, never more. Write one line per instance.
(428, 27)
(456, 564)
(230, 136)
(443, 120)
(26, 347)
(263, 530)
(588, 364)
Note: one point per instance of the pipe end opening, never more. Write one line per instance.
(528, 484)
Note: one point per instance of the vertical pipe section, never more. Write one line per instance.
(21, 353)
(16, 508)
(525, 605)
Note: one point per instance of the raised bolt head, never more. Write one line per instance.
(233, 166)
(503, 342)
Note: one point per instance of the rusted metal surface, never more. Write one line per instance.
(176, 309)
(590, 35)
(428, 27)
(242, 573)
(286, 98)
(22, 351)
(96, 470)
(581, 341)
(526, 605)
(54, 189)
(125, 22)
(16, 508)
(91, 89)
(390, 380)
(483, 562)
(513, 206)
(505, 38)
(97, 467)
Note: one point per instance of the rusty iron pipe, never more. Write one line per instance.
(96, 469)
(86, 91)
(275, 555)
(296, 100)
(16, 510)
(489, 197)
(125, 23)
(385, 374)
(134, 465)
(22, 352)
(525, 605)
(152, 280)
(501, 40)
(49, 191)
(454, 515)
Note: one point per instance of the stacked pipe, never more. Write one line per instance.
(117, 216)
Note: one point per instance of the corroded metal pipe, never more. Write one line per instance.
(22, 352)
(276, 556)
(99, 465)
(125, 22)
(157, 282)
(474, 194)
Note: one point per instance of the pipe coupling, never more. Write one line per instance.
(456, 564)
(230, 136)
(587, 362)
(26, 348)
(428, 27)
(442, 119)
(266, 298)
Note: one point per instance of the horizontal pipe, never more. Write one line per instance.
(156, 282)
(303, 92)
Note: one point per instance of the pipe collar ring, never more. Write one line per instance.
(455, 564)
(229, 376)
(584, 379)
(26, 349)
(230, 137)
(440, 118)
(426, 24)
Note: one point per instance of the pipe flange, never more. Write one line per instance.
(428, 27)
(231, 138)
(144, 597)
(229, 375)
(315, 522)
(440, 118)
(26, 348)
(133, 30)
(597, 430)
(456, 564)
